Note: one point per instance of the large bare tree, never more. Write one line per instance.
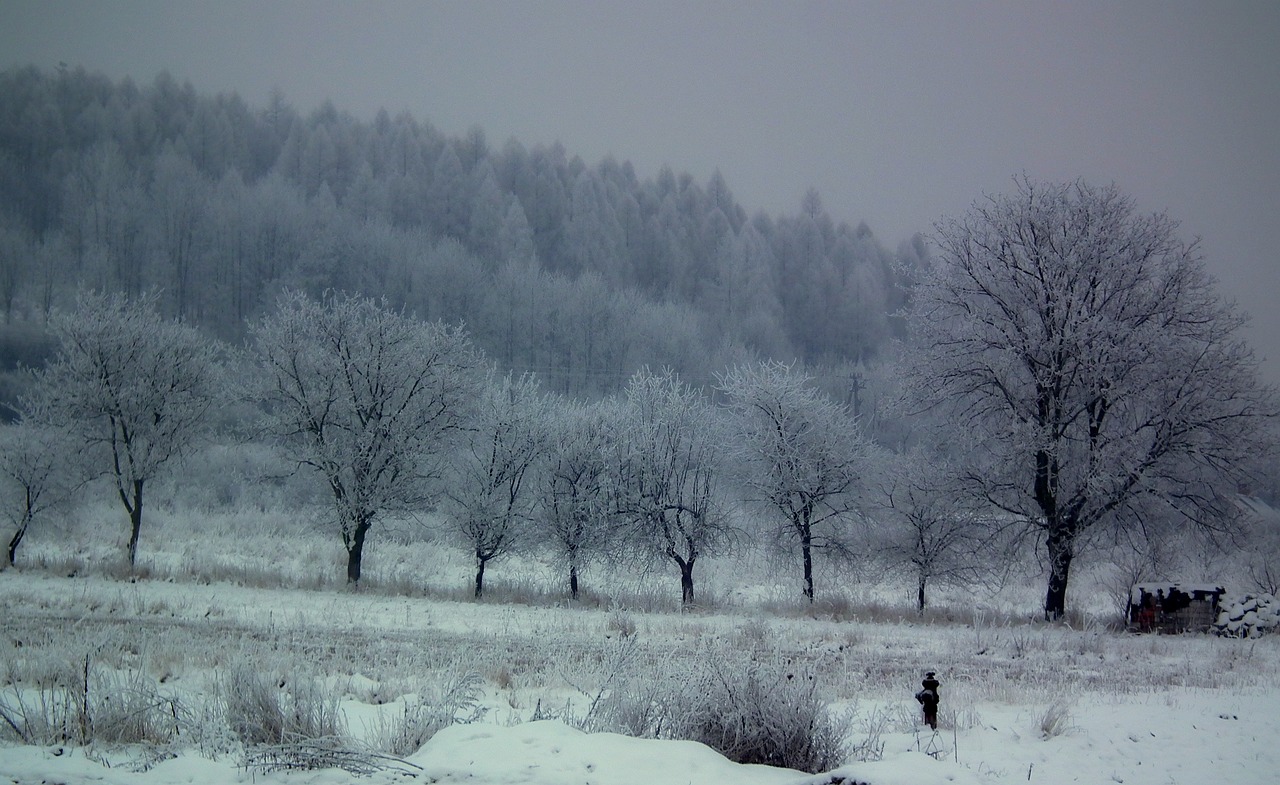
(1087, 364)
(367, 397)
(802, 457)
(132, 388)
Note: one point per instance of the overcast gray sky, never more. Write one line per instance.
(897, 112)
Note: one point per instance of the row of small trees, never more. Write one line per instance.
(1071, 372)
(395, 415)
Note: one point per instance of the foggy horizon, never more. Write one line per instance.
(897, 114)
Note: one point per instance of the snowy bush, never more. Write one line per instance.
(766, 712)
(1056, 719)
(87, 703)
(1249, 617)
(454, 699)
(749, 706)
(621, 621)
(263, 711)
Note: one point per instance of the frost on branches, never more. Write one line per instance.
(131, 390)
(1091, 373)
(367, 397)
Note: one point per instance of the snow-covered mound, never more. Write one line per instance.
(1248, 617)
(552, 753)
(1172, 590)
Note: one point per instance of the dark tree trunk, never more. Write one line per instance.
(355, 549)
(17, 538)
(573, 580)
(806, 553)
(135, 522)
(920, 593)
(686, 582)
(1060, 529)
(480, 562)
(1059, 545)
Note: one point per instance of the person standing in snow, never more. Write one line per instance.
(928, 698)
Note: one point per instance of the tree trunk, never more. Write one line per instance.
(17, 538)
(355, 549)
(573, 580)
(480, 562)
(1059, 545)
(686, 583)
(1060, 529)
(135, 522)
(920, 593)
(806, 553)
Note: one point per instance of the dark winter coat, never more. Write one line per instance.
(928, 697)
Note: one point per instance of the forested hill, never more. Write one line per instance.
(579, 272)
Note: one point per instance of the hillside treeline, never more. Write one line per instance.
(581, 273)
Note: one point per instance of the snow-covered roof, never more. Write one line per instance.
(1167, 588)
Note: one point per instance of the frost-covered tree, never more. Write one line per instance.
(669, 482)
(490, 498)
(34, 476)
(929, 529)
(179, 203)
(104, 201)
(576, 492)
(1261, 552)
(369, 398)
(131, 388)
(741, 297)
(488, 213)
(17, 256)
(594, 236)
(802, 457)
(1085, 359)
(515, 238)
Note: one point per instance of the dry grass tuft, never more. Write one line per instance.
(1055, 720)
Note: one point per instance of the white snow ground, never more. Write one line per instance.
(536, 753)
(1141, 710)
(1185, 736)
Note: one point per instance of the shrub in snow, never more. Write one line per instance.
(748, 706)
(1056, 719)
(456, 698)
(1248, 617)
(312, 756)
(87, 703)
(292, 709)
(766, 712)
(622, 622)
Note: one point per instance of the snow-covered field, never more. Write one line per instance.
(1021, 702)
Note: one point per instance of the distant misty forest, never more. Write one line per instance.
(581, 272)
(1072, 374)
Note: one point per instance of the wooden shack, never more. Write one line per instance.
(1174, 607)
